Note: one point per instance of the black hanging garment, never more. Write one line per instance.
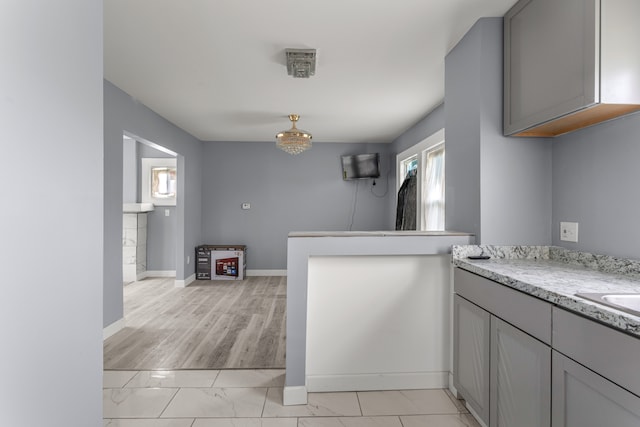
(407, 196)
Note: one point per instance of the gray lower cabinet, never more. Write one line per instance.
(596, 381)
(520, 378)
(582, 398)
(471, 355)
(513, 374)
(503, 373)
(501, 352)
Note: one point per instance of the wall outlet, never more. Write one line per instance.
(246, 206)
(569, 231)
(188, 259)
(167, 212)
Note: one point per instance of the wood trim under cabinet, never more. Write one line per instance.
(580, 119)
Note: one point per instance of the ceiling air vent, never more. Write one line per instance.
(301, 63)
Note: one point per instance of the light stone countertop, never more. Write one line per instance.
(380, 233)
(556, 274)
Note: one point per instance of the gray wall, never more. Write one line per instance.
(595, 183)
(124, 114)
(130, 171)
(498, 188)
(287, 193)
(462, 135)
(162, 232)
(51, 252)
(161, 229)
(427, 126)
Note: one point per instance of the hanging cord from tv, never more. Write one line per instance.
(355, 202)
(386, 184)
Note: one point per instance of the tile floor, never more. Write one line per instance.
(253, 398)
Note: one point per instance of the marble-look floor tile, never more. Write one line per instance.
(406, 402)
(116, 379)
(250, 378)
(216, 402)
(319, 404)
(246, 422)
(350, 422)
(174, 378)
(182, 422)
(461, 420)
(135, 402)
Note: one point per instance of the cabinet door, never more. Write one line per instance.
(582, 398)
(551, 60)
(520, 378)
(471, 331)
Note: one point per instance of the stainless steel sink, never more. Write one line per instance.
(629, 303)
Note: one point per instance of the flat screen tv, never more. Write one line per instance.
(361, 166)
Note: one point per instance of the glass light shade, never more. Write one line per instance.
(294, 140)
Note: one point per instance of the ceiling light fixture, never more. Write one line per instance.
(301, 62)
(294, 140)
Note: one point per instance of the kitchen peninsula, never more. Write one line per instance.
(368, 310)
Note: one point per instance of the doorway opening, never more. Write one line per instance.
(150, 200)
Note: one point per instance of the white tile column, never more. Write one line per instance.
(134, 246)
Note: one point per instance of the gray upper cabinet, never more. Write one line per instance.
(569, 64)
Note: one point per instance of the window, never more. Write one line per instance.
(159, 184)
(163, 182)
(409, 165)
(427, 159)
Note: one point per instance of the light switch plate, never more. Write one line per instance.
(569, 231)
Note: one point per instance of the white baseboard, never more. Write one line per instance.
(385, 381)
(159, 273)
(113, 328)
(186, 282)
(266, 272)
(294, 396)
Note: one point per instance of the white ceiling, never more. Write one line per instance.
(216, 68)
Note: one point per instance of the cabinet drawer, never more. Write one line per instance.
(521, 310)
(611, 353)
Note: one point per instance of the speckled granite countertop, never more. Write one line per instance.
(556, 274)
(379, 233)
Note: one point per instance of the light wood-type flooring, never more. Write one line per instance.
(208, 325)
